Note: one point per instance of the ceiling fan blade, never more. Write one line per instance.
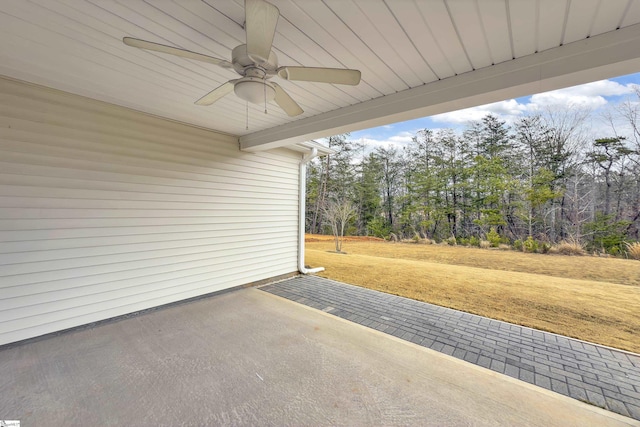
(216, 94)
(261, 19)
(321, 75)
(287, 103)
(143, 44)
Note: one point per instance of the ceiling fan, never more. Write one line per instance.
(256, 63)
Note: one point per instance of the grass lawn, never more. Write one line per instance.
(590, 298)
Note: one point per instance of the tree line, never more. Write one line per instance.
(542, 180)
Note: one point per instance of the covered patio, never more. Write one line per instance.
(248, 357)
(120, 193)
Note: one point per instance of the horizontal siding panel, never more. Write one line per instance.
(104, 211)
(54, 197)
(230, 247)
(19, 141)
(75, 277)
(142, 250)
(245, 169)
(143, 147)
(35, 171)
(43, 192)
(26, 224)
(109, 240)
(157, 171)
(62, 235)
(32, 213)
(42, 324)
(55, 182)
(61, 203)
(66, 299)
(132, 277)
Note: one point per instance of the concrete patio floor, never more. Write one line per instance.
(251, 358)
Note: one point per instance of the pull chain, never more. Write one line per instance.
(265, 95)
(247, 104)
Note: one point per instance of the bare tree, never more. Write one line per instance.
(628, 113)
(580, 203)
(338, 213)
(568, 140)
(624, 120)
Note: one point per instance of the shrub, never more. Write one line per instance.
(606, 234)
(633, 249)
(351, 230)
(469, 241)
(517, 245)
(530, 245)
(544, 247)
(378, 228)
(570, 247)
(418, 240)
(485, 244)
(451, 241)
(494, 238)
(474, 241)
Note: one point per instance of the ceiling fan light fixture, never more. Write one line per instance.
(254, 90)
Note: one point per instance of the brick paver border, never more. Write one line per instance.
(595, 374)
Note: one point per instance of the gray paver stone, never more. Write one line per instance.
(596, 399)
(559, 386)
(616, 406)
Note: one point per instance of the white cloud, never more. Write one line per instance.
(508, 110)
(402, 137)
(559, 98)
(599, 88)
(371, 143)
(589, 96)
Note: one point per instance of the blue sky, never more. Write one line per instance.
(595, 96)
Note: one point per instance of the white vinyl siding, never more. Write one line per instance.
(105, 211)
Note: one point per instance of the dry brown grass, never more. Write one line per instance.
(567, 248)
(593, 299)
(633, 249)
(328, 238)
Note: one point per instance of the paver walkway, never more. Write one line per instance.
(599, 375)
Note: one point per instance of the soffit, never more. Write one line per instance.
(400, 46)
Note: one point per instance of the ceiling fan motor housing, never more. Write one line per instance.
(246, 66)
